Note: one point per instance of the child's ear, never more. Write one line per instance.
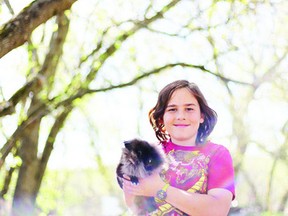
(202, 118)
(128, 145)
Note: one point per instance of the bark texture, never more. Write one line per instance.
(18, 30)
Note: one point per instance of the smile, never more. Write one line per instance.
(181, 125)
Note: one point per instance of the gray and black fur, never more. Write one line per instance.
(140, 159)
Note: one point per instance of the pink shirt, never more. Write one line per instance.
(197, 169)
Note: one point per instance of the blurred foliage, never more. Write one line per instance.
(95, 72)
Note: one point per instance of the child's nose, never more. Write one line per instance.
(180, 115)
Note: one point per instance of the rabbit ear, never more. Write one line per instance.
(128, 145)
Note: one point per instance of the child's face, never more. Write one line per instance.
(182, 117)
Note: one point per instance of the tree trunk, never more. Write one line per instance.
(32, 169)
(24, 196)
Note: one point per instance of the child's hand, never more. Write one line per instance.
(146, 187)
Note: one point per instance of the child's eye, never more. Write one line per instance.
(171, 110)
(190, 109)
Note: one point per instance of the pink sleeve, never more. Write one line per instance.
(221, 171)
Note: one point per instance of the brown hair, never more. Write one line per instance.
(156, 113)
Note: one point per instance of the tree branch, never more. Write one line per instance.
(8, 107)
(38, 113)
(121, 38)
(58, 124)
(157, 70)
(83, 91)
(9, 7)
(17, 31)
(48, 69)
(7, 181)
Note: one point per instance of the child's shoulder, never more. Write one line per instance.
(215, 148)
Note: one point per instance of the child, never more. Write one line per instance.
(199, 179)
